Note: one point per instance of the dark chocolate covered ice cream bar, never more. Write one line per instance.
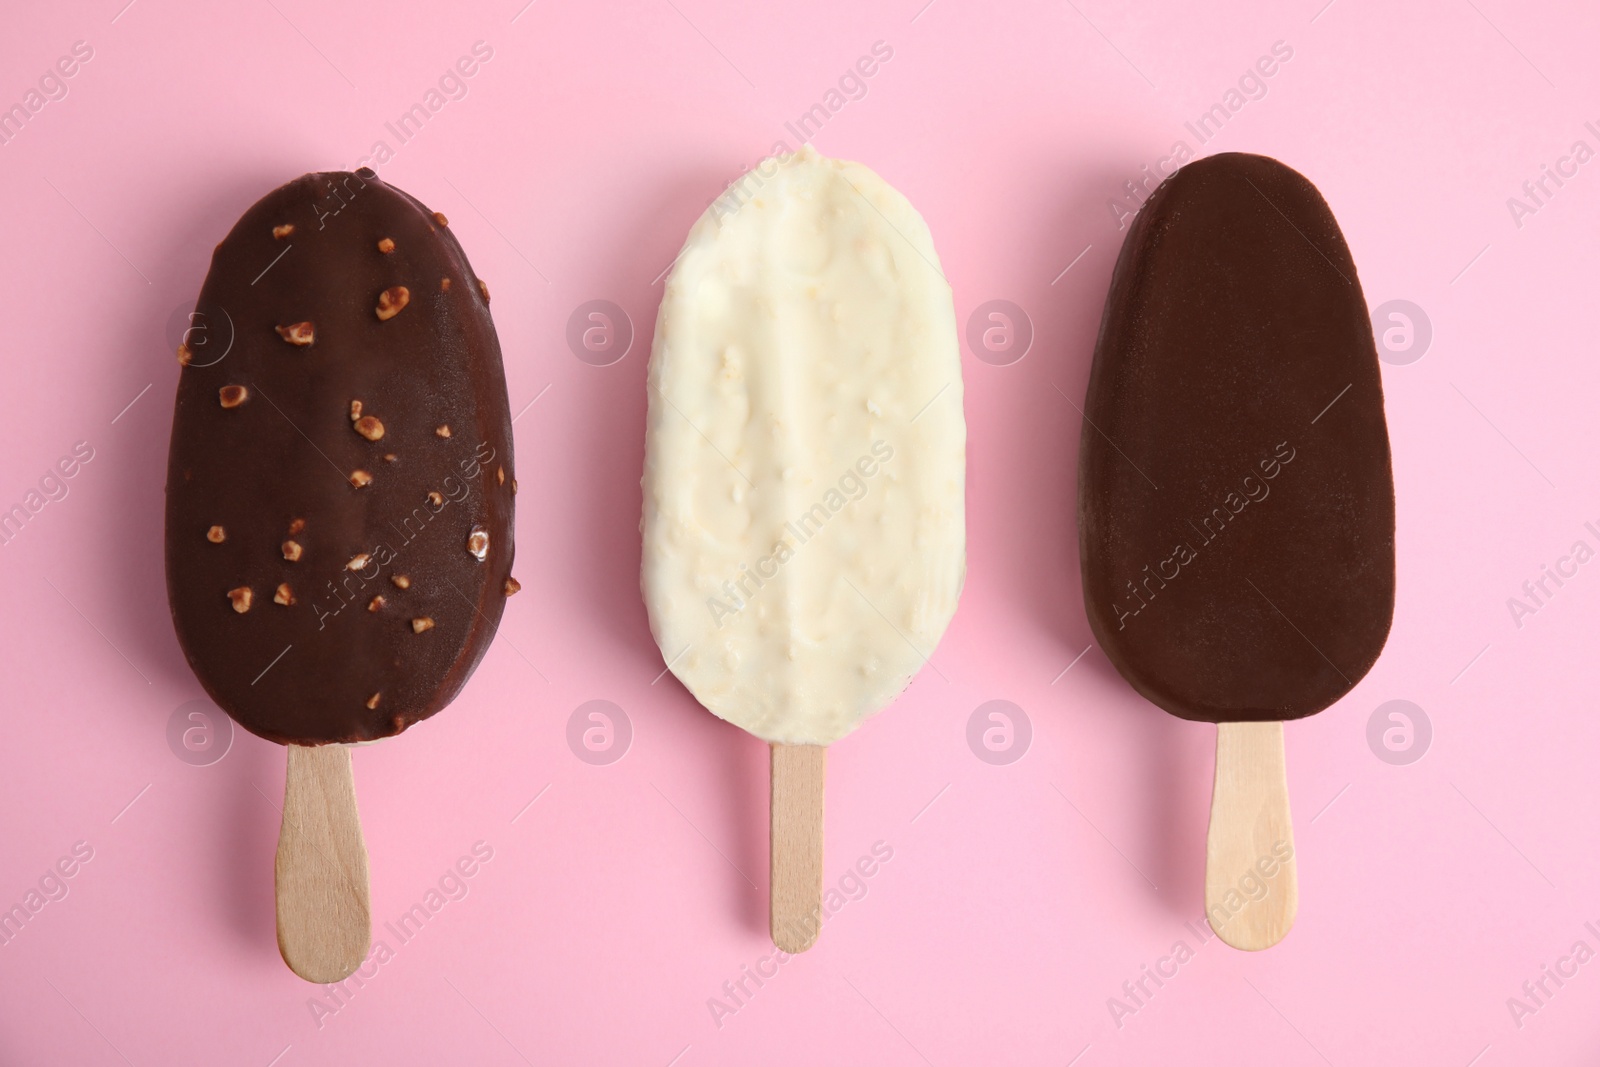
(340, 485)
(1236, 506)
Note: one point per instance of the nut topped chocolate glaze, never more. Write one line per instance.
(336, 567)
(1236, 505)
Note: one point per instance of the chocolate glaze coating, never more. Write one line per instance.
(1236, 505)
(277, 467)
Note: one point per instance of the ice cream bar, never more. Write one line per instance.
(339, 507)
(1236, 506)
(804, 530)
(339, 488)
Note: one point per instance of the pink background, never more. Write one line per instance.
(1019, 897)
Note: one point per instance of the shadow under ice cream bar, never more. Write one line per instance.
(805, 466)
(339, 509)
(1236, 506)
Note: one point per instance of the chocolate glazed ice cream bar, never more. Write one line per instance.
(1236, 506)
(339, 508)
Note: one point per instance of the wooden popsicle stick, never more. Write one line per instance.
(324, 912)
(797, 774)
(1251, 890)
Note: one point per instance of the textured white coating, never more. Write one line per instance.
(805, 466)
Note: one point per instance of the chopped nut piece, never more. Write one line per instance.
(232, 395)
(442, 431)
(419, 625)
(185, 356)
(512, 586)
(500, 476)
(296, 525)
(355, 410)
(391, 300)
(436, 500)
(284, 595)
(400, 581)
(216, 535)
(369, 427)
(291, 550)
(483, 290)
(438, 216)
(241, 598)
(358, 561)
(444, 285)
(386, 246)
(389, 457)
(478, 543)
(513, 487)
(360, 479)
(280, 232)
(375, 603)
(298, 333)
(372, 701)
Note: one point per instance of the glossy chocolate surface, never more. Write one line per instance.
(342, 451)
(1236, 505)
